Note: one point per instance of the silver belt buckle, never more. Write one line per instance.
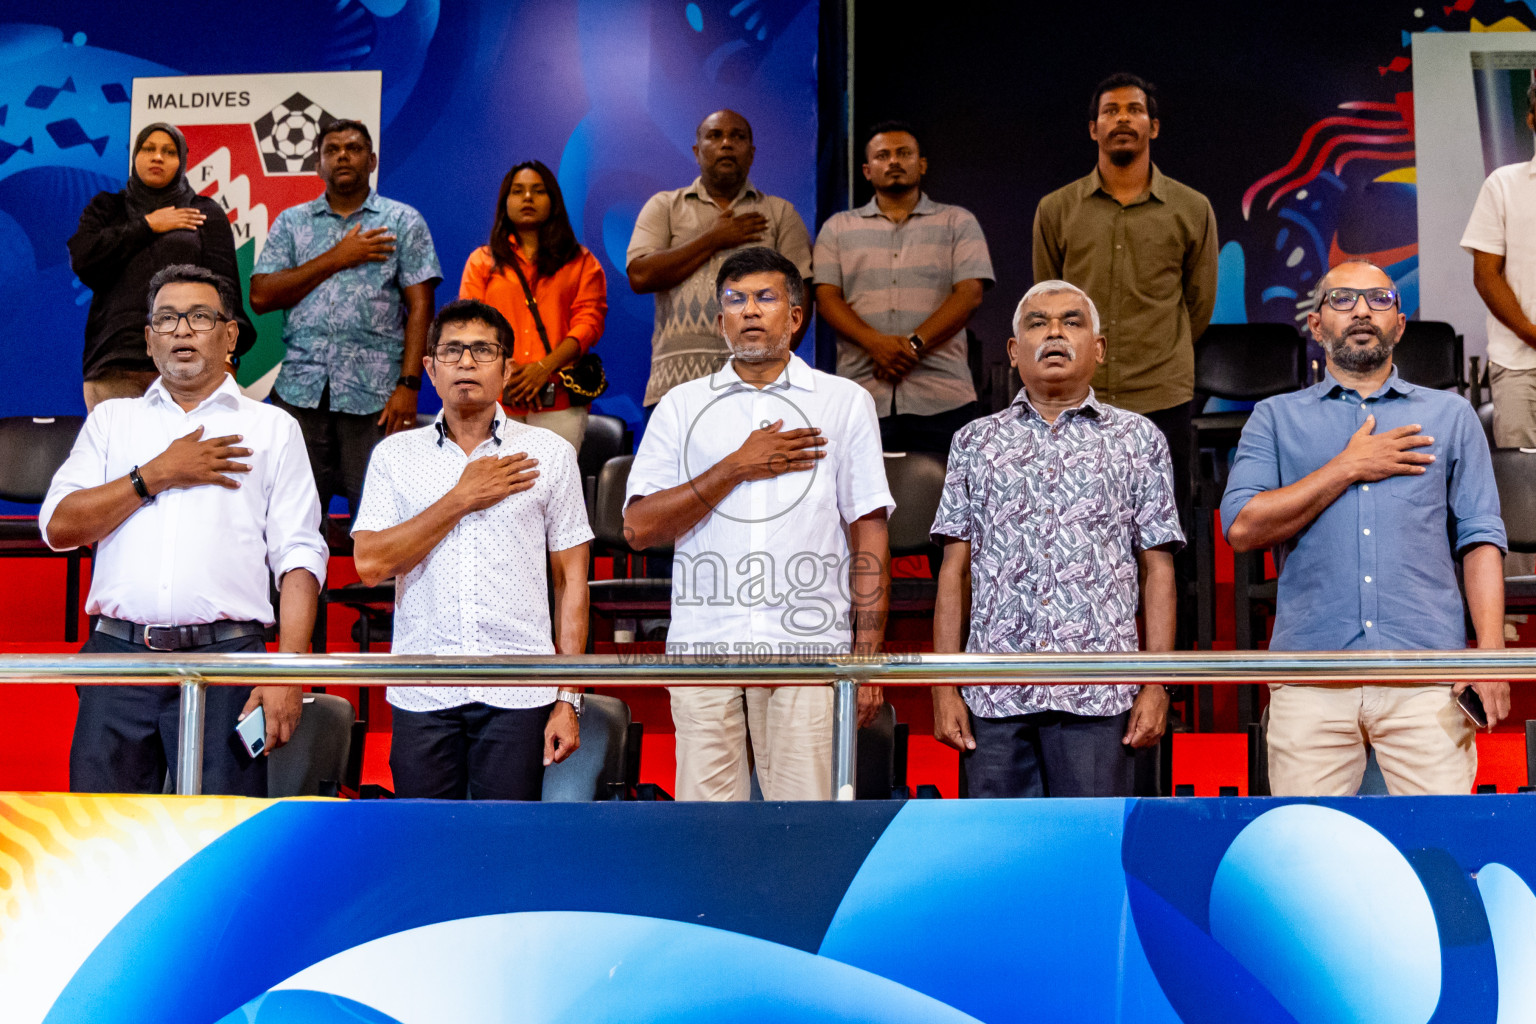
(149, 633)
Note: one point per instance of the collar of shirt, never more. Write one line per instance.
(1089, 407)
(1155, 188)
(497, 425)
(227, 393)
(796, 375)
(321, 206)
(924, 207)
(698, 191)
(1329, 387)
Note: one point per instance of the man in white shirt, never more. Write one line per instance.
(461, 514)
(1501, 236)
(191, 494)
(767, 478)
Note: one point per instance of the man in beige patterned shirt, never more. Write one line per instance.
(683, 236)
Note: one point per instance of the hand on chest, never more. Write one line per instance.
(718, 429)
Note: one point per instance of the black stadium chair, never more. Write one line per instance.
(32, 448)
(1240, 363)
(916, 481)
(607, 437)
(623, 597)
(1429, 354)
(320, 759)
(1514, 473)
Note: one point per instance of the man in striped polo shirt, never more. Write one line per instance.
(898, 279)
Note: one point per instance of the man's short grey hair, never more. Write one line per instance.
(1053, 288)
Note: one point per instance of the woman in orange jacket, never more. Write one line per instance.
(532, 236)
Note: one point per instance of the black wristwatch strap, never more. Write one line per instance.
(137, 479)
(409, 380)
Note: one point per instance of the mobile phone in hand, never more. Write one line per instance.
(252, 730)
(1472, 706)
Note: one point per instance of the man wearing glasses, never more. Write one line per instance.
(767, 479)
(1354, 481)
(464, 515)
(191, 494)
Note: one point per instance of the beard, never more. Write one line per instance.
(1123, 157)
(759, 351)
(1357, 359)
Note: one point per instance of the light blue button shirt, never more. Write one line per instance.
(1374, 571)
(350, 331)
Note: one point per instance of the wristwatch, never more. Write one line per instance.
(916, 343)
(573, 698)
(409, 380)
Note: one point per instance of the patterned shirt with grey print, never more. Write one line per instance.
(1055, 514)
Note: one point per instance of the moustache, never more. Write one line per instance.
(1049, 349)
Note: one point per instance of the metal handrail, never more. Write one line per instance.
(1131, 668)
(194, 672)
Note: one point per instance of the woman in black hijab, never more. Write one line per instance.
(123, 239)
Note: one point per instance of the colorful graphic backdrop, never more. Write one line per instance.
(204, 910)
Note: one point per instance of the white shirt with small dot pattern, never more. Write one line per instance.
(483, 589)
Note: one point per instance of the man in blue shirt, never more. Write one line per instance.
(356, 273)
(1354, 482)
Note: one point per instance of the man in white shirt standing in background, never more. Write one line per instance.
(1501, 236)
(768, 479)
(465, 514)
(191, 494)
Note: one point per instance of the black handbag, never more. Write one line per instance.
(584, 379)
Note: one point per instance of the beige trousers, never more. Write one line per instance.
(1318, 735)
(789, 727)
(570, 424)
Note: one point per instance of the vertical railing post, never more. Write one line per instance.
(189, 740)
(845, 737)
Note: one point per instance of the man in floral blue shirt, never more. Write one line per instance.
(1050, 508)
(356, 273)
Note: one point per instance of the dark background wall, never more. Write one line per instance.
(1001, 96)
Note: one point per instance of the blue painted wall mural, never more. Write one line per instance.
(606, 91)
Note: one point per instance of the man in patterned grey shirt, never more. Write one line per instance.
(1049, 510)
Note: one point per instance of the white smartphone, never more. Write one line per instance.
(252, 731)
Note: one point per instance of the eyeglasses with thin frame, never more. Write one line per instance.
(733, 301)
(200, 320)
(1344, 299)
(453, 351)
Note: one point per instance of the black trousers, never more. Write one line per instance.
(125, 736)
(905, 432)
(473, 752)
(339, 444)
(1048, 753)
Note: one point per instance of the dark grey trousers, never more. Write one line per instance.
(1048, 753)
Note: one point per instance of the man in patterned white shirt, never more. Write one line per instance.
(461, 514)
(1049, 509)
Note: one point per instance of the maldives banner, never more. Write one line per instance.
(251, 142)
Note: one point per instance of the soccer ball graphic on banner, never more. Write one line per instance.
(287, 134)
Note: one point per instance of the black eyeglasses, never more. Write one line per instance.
(200, 320)
(1344, 299)
(480, 351)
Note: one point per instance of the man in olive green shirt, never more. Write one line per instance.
(1144, 248)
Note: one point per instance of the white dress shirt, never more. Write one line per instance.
(1504, 223)
(769, 566)
(196, 554)
(483, 589)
